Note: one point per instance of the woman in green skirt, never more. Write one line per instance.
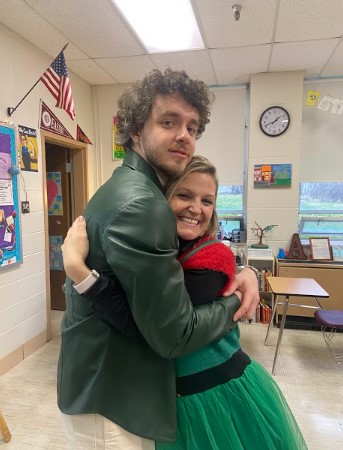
(225, 399)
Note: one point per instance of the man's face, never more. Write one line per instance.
(167, 139)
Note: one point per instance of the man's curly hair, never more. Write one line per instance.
(135, 103)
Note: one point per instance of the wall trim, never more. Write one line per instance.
(19, 354)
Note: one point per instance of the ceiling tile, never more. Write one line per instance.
(309, 56)
(234, 65)
(91, 72)
(309, 20)
(34, 28)
(103, 48)
(196, 63)
(221, 30)
(97, 27)
(334, 67)
(126, 70)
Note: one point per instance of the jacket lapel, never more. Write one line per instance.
(136, 162)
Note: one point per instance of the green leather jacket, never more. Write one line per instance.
(132, 232)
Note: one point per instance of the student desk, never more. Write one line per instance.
(295, 287)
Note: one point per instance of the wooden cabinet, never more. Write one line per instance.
(328, 275)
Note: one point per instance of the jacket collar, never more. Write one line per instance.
(136, 162)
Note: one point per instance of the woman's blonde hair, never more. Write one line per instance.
(202, 165)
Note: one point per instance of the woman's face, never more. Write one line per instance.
(193, 203)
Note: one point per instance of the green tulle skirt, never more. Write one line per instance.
(246, 413)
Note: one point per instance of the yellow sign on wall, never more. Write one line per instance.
(118, 150)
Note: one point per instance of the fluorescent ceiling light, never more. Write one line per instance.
(163, 26)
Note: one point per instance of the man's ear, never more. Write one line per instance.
(136, 137)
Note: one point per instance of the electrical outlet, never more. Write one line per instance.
(25, 207)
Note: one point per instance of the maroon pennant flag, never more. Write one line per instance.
(80, 136)
(49, 122)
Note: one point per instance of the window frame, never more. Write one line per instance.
(309, 216)
(313, 219)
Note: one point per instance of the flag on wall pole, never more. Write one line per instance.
(56, 79)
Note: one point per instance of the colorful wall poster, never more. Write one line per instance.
(55, 252)
(54, 191)
(272, 175)
(10, 238)
(118, 150)
(28, 148)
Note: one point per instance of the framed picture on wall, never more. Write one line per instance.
(272, 175)
(321, 249)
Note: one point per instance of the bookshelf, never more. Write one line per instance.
(264, 262)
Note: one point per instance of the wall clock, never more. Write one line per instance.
(274, 121)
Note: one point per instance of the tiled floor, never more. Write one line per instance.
(311, 381)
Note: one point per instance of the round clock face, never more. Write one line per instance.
(274, 121)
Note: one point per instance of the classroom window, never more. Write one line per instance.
(230, 200)
(229, 210)
(321, 213)
(321, 198)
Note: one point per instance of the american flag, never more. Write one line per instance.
(56, 79)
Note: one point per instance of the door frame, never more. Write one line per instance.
(79, 195)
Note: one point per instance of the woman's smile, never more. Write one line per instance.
(193, 204)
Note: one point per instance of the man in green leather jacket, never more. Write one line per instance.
(132, 233)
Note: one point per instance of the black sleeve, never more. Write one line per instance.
(204, 285)
(107, 298)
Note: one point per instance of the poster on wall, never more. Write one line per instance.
(272, 175)
(55, 252)
(118, 151)
(10, 238)
(54, 191)
(28, 148)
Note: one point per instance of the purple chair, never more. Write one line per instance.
(331, 320)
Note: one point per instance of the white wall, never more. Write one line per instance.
(322, 135)
(275, 206)
(222, 142)
(23, 314)
(106, 107)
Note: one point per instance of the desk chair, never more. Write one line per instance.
(331, 320)
(4, 429)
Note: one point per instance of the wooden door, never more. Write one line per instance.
(59, 215)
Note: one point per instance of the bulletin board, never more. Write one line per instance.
(10, 234)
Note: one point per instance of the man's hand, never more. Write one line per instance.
(75, 249)
(246, 283)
